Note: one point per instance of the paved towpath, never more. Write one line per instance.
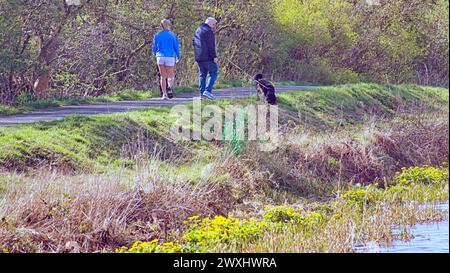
(123, 106)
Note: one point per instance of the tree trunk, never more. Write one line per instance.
(49, 50)
(47, 55)
(41, 85)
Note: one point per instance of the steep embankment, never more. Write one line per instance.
(127, 180)
(80, 143)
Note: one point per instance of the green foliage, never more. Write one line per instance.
(362, 197)
(313, 20)
(210, 235)
(285, 214)
(234, 144)
(406, 186)
(207, 234)
(204, 235)
(151, 247)
(281, 214)
(103, 47)
(8, 110)
(421, 175)
(402, 47)
(349, 42)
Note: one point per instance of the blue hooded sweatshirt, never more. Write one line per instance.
(165, 44)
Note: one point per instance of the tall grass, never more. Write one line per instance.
(306, 162)
(100, 212)
(95, 184)
(359, 216)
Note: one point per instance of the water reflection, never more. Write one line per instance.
(428, 238)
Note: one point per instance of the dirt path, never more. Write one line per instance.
(123, 106)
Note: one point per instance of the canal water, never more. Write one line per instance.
(427, 238)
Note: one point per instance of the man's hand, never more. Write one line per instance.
(177, 60)
(216, 60)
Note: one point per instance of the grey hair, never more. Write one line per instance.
(211, 20)
(165, 23)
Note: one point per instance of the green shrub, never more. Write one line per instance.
(422, 175)
(407, 183)
(403, 184)
(207, 234)
(204, 235)
(284, 216)
(362, 196)
(151, 247)
(281, 214)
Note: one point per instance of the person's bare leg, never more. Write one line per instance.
(170, 75)
(163, 72)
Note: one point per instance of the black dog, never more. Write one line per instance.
(266, 88)
(169, 90)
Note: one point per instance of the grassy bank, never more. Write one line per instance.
(82, 143)
(338, 106)
(104, 182)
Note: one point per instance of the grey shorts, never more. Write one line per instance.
(167, 61)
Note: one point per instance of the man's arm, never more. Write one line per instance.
(154, 46)
(177, 48)
(211, 44)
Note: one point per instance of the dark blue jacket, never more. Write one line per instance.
(204, 44)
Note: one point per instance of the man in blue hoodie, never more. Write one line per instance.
(206, 57)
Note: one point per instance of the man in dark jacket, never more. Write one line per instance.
(205, 55)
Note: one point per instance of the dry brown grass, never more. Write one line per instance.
(88, 213)
(416, 144)
(365, 155)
